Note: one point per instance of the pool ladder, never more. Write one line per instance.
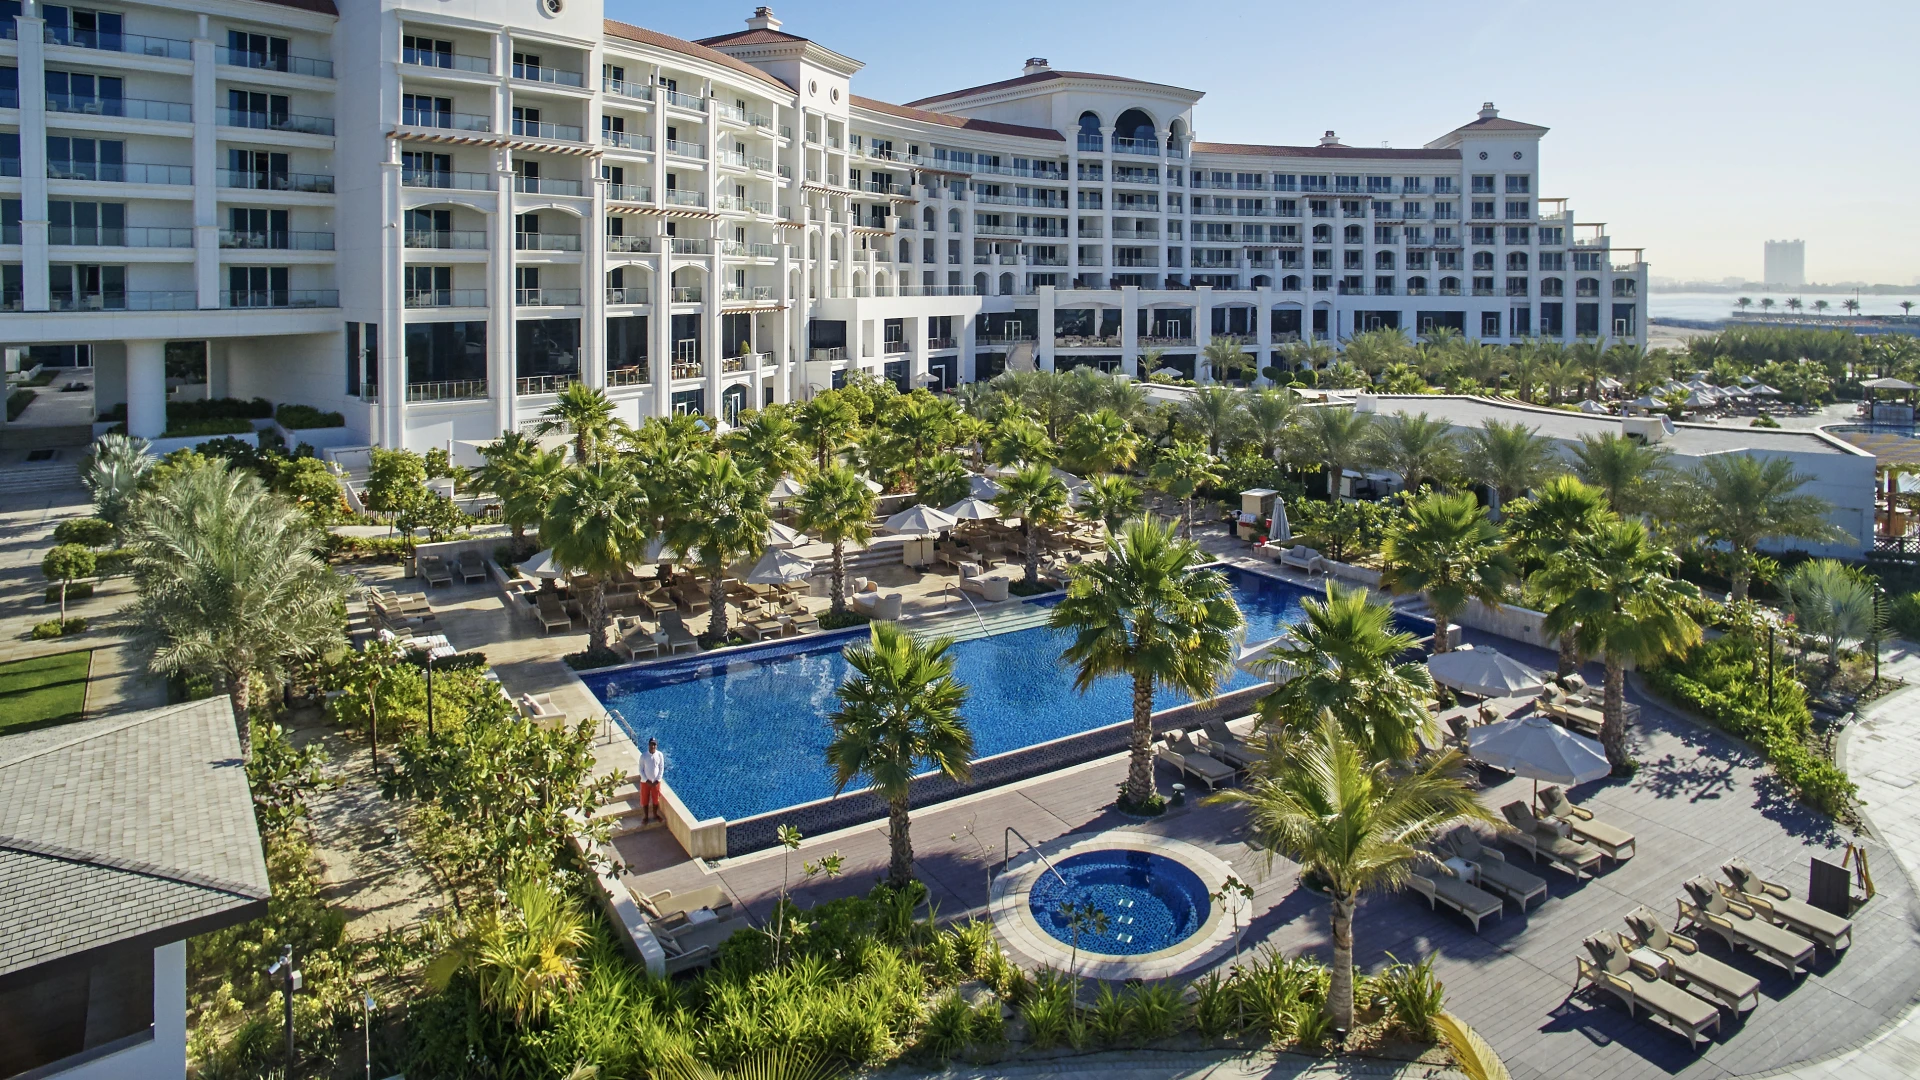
(1006, 853)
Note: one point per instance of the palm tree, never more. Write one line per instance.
(1419, 448)
(900, 708)
(1226, 357)
(230, 582)
(115, 467)
(1336, 438)
(522, 476)
(1906, 308)
(1310, 355)
(1528, 364)
(1626, 469)
(1509, 458)
(1544, 524)
(1820, 307)
(1212, 413)
(1342, 659)
(596, 527)
(1743, 303)
(1833, 602)
(1615, 585)
(588, 414)
(523, 955)
(1100, 442)
(941, 479)
(1019, 441)
(1356, 824)
(826, 423)
(1852, 305)
(1742, 500)
(1794, 304)
(1271, 416)
(1149, 611)
(1373, 351)
(1448, 550)
(1766, 303)
(723, 519)
(1110, 500)
(1590, 357)
(768, 441)
(1181, 471)
(1039, 499)
(836, 506)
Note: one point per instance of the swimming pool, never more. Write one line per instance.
(745, 732)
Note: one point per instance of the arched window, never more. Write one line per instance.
(1587, 286)
(906, 251)
(1290, 283)
(1090, 124)
(1623, 286)
(979, 284)
(932, 218)
(1136, 125)
(1261, 281)
(1355, 234)
(1383, 260)
(833, 246)
(1416, 286)
(813, 247)
(1450, 286)
(1176, 136)
(733, 401)
(953, 221)
(1517, 262)
(1553, 286)
(1006, 284)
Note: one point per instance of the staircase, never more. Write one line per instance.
(966, 625)
(26, 478)
(623, 808)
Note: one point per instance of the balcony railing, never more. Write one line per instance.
(280, 298)
(540, 73)
(682, 197)
(436, 118)
(97, 236)
(268, 240)
(448, 390)
(752, 294)
(447, 239)
(546, 297)
(447, 61)
(1144, 147)
(733, 363)
(684, 101)
(535, 129)
(629, 193)
(273, 121)
(727, 157)
(177, 112)
(261, 61)
(533, 241)
(138, 300)
(630, 295)
(629, 244)
(129, 172)
(764, 251)
(626, 140)
(689, 369)
(443, 298)
(137, 44)
(622, 88)
(689, 245)
(313, 183)
(681, 148)
(455, 181)
(543, 384)
(539, 185)
(635, 375)
(685, 294)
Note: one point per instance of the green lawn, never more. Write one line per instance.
(42, 691)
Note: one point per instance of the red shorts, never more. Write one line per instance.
(649, 793)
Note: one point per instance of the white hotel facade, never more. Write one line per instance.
(430, 215)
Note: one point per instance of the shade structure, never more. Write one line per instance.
(779, 567)
(1074, 484)
(1648, 403)
(1763, 390)
(1889, 384)
(1538, 749)
(1485, 673)
(784, 488)
(1595, 408)
(983, 487)
(920, 518)
(658, 552)
(1251, 655)
(542, 565)
(784, 536)
(1168, 373)
(971, 509)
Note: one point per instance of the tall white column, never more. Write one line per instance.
(1130, 331)
(661, 328)
(1043, 332)
(169, 1060)
(146, 388)
(206, 211)
(35, 292)
(1202, 332)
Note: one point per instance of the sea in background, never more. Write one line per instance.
(1709, 305)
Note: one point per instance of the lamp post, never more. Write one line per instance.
(1769, 665)
(366, 1002)
(429, 695)
(285, 963)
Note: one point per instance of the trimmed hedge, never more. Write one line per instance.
(301, 417)
(209, 426)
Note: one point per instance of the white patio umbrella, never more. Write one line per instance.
(784, 488)
(920, 518)
(1647, 402)
(658, 552)
(1763, 390)
(1538, 749)
(871, 486)
(971, 509)
(542, 565)
(1074, 484)
(1595, 408)
(783, 536)
(982, 487)
(1889, 384)
(778, 567)
(1485, 673)
(1168, 372)
(1248, 657)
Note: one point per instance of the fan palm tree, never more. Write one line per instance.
(1766, 303)
(1226, 357)
(1509, 458)
(1309, 355)
(1590, 359)
(1820, 307)
(115, 467)
(1373, 351)
(1099, 442)
(1152, 612)
(837, 507)
(525, 955)
(1447, 550)
(1110, 499)
(1018, 441)
(900, 708)
(1527, 365)
(1271, 415)
(1743, 303)
(767, 441)
(1181, 471)
(588, 415)
(1626, 469)
(722, 520)
(522, 476)
(1852, 305)
(1541, 526)
(596, 526)
(1342, 659)
(1743, 500)
(1794, 304)
(1835, 603)
(1906, 308)
(1419, 448)
(1354, 823)
(1039, 499)
(1337, 438)
(1212, 413)
(827, 423)
(1613, 585)
(230, 582)
(941, 480)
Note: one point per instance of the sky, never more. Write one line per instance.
(1695, 128)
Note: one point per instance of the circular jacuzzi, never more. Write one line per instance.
(1147, 902)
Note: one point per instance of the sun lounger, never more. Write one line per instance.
(636, 641)
(434, 569)
(693, 599)
(1707, 908)
(1538, 838)
(1702, 973)
(472, 568)
(679, 639)
(551, 615)
(1608, 838)
(993, 590)
(1575, 718)
(1776, 904)
(1180, 752)
(1232, 748)
(540, 707)
(1639, 988)
(667, 903)
(1495, 873)
(1442, 886)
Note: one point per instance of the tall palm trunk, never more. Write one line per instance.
(1442, 630)
(1340, 989)
(1033, 551)
(717, 601)
(1613, 732)
(899, 842)
(599, 620)
(239, 691)
(839, 577)
(1569, 658)
(1742, 576)
(1140, 764)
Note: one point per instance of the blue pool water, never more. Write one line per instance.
(744, 733)
(1150, 901)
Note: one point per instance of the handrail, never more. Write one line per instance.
(1006, 856)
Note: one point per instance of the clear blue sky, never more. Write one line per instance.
(1695, 128)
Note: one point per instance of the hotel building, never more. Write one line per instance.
(433, 216)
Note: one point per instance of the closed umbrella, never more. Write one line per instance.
(782, 536)
(920, 518)
(1485, 673)
(1539, 749)
(971, 509)
(1279, 530)
(778, 567)
(543, 565)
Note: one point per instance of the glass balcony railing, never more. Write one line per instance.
(454, 181)
(139, 300)
(626, 140)
(128, 172)
(261, 61)
(446, 61)
(689, 245)
(315, 183)
(436, 118)
(540, 73)
(276, 241)
(622, 88)
(273, 121)
(280, 298)
(676, 197)
(629, 193)
(679, 148)
(631, 375)
(629, 244)
(543, 384)
(137, 44)
(686, 294)
(628, 295)
(535, 185)
(535, 129)
(532, 241)
(133, 237)
(447, 240)
(684, 101)
(546, 297)
(447, 390)
(177, 112)
(445, 298)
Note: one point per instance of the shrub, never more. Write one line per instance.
(949, 1027)
(54, 628)
(1047, 1012)
(831, 621)
(1157, 1011)
(1903, 615)
(301, 417)
(1413, 994)
(594, 658)
(208, 426)
(17, 402)
(79, 590)
(217, 409)
(88, 532)
(114, 563)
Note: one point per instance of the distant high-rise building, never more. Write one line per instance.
(1786, 263)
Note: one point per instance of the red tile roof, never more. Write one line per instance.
(1028, 80)
(644, 36)
(755, 36)
(1495, 123)
(1337, 152)
(949, 120)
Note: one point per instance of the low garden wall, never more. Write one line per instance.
(1509, 621)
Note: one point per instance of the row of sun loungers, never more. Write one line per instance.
(690, 926)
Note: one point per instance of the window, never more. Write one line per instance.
(1586, 286)
(1380, 183)
(1517, 235)
(85, 159)
(1516, 286)
(1313, 183)
(1383, 234)
(1352, 260)
(1483, 286)
(428, 286)
(1416, 260)
(1446, 260)
(251, 227)
(546, 347)
(1519, 184)
(248, 109)
(1346, 183)
(1586, 260)
(1625, 320)
(447, 352)
(87, 29)
(1553, 286)
(426, 51)
(87, 288)
(1383, 260)
(1383, 286)
(1354, 234)
(1517, 262)
(1519, 209)
(1323, 234)
(1552, 321)
(423, 110)
(1285, 182)
(1482, 208)
(1552, 236)
(100, 95)
(527, 66)
(257, 286)
(1443, 185)
(1489, 324)
(83, 223)
(1483, 260)
(259, 50)
(1483, 185)
(1624, 286)
(1323, 260)
(1483, 234)
(1445, 211)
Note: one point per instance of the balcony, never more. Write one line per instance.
(684, 294)
(1005, 337)
(451, 390)
(447, 240)
(679, 197)
(454, 121)
(733, 363)
(542, 384)
(134, 237)
(535, 185)
(533, 241)
(689, 245)
(626, 140)
(752, 294)
(128, 108)
(1142, 147)
(535, 129)
(447, 61)
(434, 178)
(629, 193)
(1164, 341)
(142, 300)
(280, 298)
(266, 241)
(689, 369)
(540, 73)
(1090, 144)
(275, 121)
(630, 295)
(445, 298)
(632, 91)
(628, 376)
(261, 61)
(546, 297)
(628, 245)
(135, 44)
(764, 251)
(684, 101)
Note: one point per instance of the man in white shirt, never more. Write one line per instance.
(653, 768)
